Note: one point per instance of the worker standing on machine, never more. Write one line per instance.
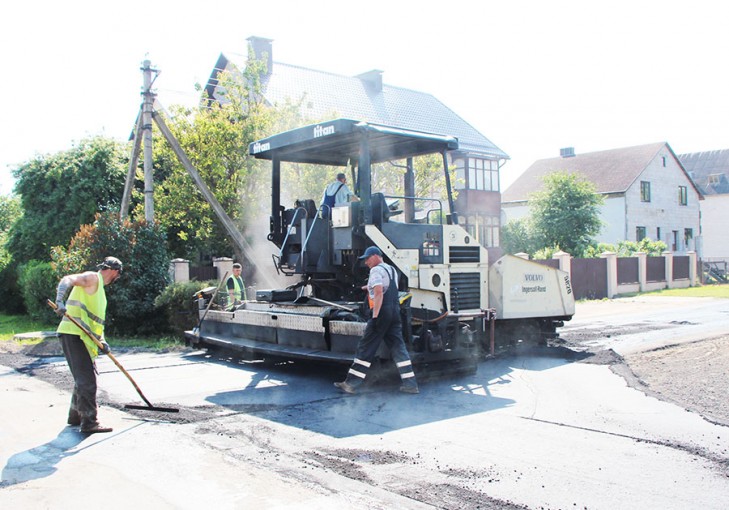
(236, 286)
(87, 305)
(384, 325)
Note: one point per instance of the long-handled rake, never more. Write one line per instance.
(149, 406)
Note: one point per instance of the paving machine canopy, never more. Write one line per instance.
(340, 141)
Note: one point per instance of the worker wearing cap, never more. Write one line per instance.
(384, 325)
(87, 305)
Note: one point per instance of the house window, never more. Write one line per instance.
(645, 191)
(460, 174)
(682, 195)
(485, 229)
(483, 174)
(658, 233)
(714, 179)
(674, 244)
(664, 161)
(639, 234)
(688, 234)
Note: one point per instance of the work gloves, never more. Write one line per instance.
(104, 347)
(61, 292)
(60, 308)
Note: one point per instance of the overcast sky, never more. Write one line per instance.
(532, 76)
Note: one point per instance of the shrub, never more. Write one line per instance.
(38, 281)
(627, 248)
(11, 300)
(142, 248)
(178, 304)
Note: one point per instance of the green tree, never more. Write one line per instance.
(566, 213)
(142, 248)
(62, 191)
(10, 212)
(517, 237)
(215, 137)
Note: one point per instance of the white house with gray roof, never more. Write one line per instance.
(647, 193)
(366, 97)
(710, 171)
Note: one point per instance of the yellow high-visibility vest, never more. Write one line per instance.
(239, 291)
(90, 311)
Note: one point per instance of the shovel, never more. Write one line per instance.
(149, 406)
(196, 329)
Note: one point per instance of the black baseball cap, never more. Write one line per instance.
(111, 263)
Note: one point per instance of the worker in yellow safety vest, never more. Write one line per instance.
(87, 305)
(236, 286)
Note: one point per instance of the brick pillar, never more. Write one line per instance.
(565, 261)
(223, 264)
(669, 268)
(180, 270)
(612, 273)
(642, 270)
(692, 268)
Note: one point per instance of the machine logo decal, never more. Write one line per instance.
(323, 131)
(260, 147)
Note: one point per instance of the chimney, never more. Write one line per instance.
(567, 152)
(372, 80)
(263, 50)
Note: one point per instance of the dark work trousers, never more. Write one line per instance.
(83, 400)
(386, 327)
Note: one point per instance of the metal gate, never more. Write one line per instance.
(589, 278)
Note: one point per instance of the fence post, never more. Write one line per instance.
(180, 270)
(612, 273)
(692, 268)
(223, 265)
(642, 270)
(668, 257)
(565, 261)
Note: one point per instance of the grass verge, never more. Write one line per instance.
(713, 291)
(11, 325)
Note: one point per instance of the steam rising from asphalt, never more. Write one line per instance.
(259, 251)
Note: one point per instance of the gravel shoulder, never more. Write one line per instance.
(693, 376)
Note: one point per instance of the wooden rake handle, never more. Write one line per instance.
(98, 344)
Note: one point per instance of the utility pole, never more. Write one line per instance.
(147, 108)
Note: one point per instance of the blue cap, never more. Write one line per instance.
(372, 250)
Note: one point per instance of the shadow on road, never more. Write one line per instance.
(41, 461)
(302, 395)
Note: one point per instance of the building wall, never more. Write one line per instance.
(713, 224)
(612, 215)
(663, 210)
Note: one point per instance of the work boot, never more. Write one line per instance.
(409, 388)
(74, 419)
(94, 428)
(346, 387)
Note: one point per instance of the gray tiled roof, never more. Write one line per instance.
(328, 96)
(611, 171)
(708, 170)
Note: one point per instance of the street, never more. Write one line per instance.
(545, 428)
